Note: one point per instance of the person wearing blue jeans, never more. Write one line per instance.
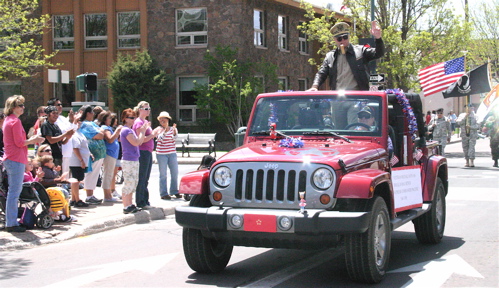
(166, 154)
(15, 157)
(143, 110)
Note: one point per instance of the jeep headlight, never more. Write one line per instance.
(222, 176)
(323, 178)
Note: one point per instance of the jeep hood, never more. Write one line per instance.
(312, 151)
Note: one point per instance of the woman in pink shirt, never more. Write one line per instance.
(15, 157)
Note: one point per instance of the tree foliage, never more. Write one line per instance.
(20, 31)
(135, 78)
(485, 45)
(234, 85)
(416, 33)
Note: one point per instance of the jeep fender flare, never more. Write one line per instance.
(435, 168)
(361, 184)
(195, 182)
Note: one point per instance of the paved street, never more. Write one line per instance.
(150, 254)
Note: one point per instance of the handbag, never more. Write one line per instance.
(28, 219)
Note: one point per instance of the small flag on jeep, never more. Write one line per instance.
(394, 160)
(418, 154)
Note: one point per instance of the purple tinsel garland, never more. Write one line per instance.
(272, 116)
(407, 109)
(291, 142)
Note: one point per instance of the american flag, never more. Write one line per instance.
(394, 160)
(418, 154)
(438, 77)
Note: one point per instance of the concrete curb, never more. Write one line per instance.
(142, 217)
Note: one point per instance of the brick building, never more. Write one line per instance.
(89, 34)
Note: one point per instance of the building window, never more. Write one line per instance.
(303, 41)
(9, 88)
(63, 32)
(302, 84)
(259, 28)
(187, 108)
(129, 30)
(68, 93)
(282, 30)
(95, 31)
(282, 83)
(192, 27)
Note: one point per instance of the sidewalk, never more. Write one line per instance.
(98, 218)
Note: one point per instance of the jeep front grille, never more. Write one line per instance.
(270, 185)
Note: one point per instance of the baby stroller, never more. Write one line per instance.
(32, 195)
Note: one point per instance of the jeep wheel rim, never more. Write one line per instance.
(380, 240)
(439, 211)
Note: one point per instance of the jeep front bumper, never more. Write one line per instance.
(313, 222)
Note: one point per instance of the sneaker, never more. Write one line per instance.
(130, 209)
(146, 207)
(166, 197)
(64, 218)
(112, 199)
(81, 204)
(72, 203)
(16, 229)
(116, 194)
(93, 200)
(178, 196)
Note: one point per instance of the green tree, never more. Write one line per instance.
(138, 78)
(234, 85)
(485, 46)
(20, 31)
(416, 34)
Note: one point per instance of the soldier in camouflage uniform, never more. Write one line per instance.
(469, 133)
(441, 129)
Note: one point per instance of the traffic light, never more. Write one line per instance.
(86, 82)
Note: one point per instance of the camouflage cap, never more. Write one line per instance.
(340, 29)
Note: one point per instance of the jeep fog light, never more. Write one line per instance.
(285, 223)
(325, 199)
(236, 221)
(222, 176)
(217, 196)
(323, 178)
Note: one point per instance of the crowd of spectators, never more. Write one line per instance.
(84, 150)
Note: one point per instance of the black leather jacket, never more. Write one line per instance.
(358, 56)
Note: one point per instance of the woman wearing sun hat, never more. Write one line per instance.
(166, 154)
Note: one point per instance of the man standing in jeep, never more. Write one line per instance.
(346, 66)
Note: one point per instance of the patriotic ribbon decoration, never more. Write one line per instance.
(407, 109)
(291, 142)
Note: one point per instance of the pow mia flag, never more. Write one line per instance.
(474, 82)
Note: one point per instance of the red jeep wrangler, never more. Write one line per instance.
(317, 169)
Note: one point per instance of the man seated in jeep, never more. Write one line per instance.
(366, 120)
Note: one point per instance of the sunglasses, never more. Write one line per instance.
(344, 37)
(364, 116)
(133, 118)
(147, 109)
(58, 104)
(20, 105)
(47, 150)
(440, 112)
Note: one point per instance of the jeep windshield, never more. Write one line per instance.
(307, 115)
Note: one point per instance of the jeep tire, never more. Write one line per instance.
(204, 255)
(367, 254)
(430, 226)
